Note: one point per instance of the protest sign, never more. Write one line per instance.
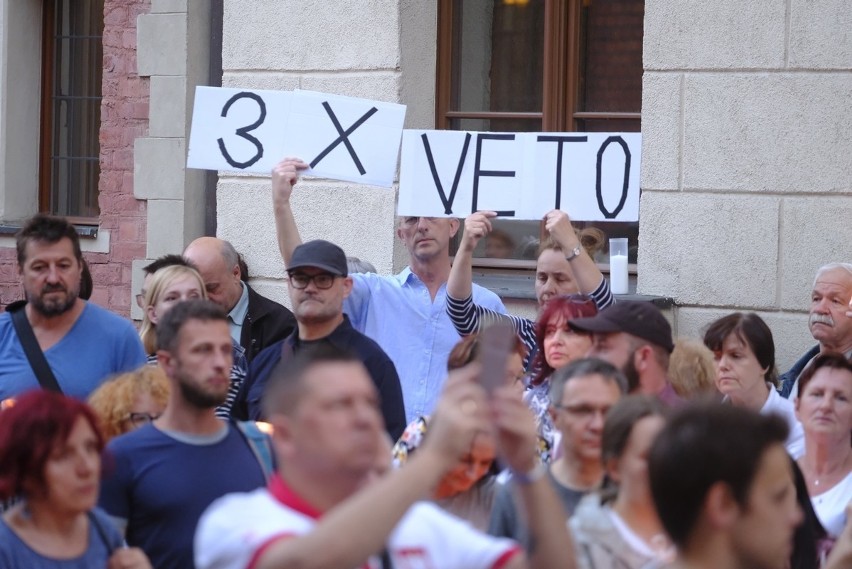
(591, 176)
(237, 129)
(345, 138)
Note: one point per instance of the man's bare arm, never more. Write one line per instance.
(359, 527)
(284, 177)
(545, 516)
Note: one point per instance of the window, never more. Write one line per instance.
(540, 65)
(72, 69)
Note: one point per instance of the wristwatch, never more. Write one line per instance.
(575, 252)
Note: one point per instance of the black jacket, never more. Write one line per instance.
(266, 323)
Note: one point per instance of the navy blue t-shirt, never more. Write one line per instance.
(162, 483)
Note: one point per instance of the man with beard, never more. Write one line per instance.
(636, 338)
(166, 473)
(82, 343)
(830, 320)
(318, 283)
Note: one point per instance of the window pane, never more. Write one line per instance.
(611, 55)
(497, 125)
(497, 55)
(76, 106)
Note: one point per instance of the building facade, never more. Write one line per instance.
(744, 110)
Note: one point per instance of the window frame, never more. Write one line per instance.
(47, 136)
(561, 68)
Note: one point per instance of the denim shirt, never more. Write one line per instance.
(415, 331)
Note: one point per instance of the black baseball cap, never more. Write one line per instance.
(320, 254)
(640, 319)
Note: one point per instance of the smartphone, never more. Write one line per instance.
(495, 345)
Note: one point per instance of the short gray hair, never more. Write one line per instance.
(229, 254)
(582, 368)
(833, 267)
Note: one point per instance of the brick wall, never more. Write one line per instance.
(124, 117)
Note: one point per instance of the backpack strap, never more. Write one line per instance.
(260, 445)
(34, 354)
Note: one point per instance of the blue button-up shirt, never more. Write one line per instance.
(415, 331)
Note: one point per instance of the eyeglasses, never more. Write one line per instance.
(584, 412)
(139, 419)
(321, 280)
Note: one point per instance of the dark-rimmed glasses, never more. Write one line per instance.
(321, 280)
(139, 419)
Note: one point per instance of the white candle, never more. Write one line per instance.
(618, 273)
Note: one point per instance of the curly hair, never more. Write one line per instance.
(113, 400)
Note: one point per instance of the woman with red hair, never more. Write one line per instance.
(50, 457)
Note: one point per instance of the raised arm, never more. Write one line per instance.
(476, 226)
(360, 526)
(284, 177)
(585, 270)
(551, 544)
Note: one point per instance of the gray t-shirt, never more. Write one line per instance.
(15, 554)
(506, 518)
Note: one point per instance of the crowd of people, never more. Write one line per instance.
(362, 428)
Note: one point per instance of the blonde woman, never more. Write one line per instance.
(178, 283)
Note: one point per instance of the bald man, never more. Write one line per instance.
(255, 321)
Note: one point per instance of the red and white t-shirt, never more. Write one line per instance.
(236, 529)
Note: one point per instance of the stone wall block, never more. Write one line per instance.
(726, 34)
(819, 34)
(661, 130)
(816, 231)
(168, 108)
(358, 218)
(311, 35)
(767, 132)
(789, 330)
(168, 6)
(162, 44)
(383, 86)
(709, 249)
(271, 81)
(159, 166)
(165, 223)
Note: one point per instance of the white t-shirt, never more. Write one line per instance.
(830, 506)
(237, 528)
(784, 407)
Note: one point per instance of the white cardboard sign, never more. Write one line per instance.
(343, 138)
(591, 176)
(239, 130)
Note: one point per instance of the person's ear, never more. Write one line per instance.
(152, 314)
(347, 287)
(454, 226)
(236, 273)
(720, 507)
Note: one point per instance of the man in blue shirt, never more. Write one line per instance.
(405, 313)
(82, 343)
(165, 474)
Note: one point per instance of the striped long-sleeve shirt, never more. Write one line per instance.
(469, 317)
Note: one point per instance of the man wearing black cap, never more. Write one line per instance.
(636, 338)
(319, 283)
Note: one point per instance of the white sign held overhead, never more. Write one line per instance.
(591, 176)
(237, 129)
(345, 138)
